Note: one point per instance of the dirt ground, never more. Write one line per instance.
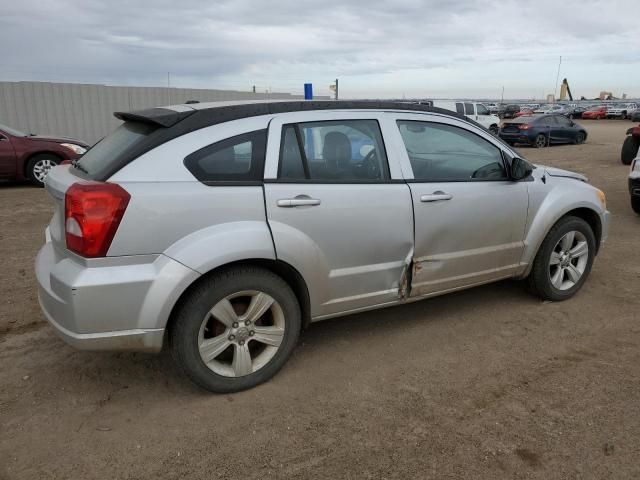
(484, 384)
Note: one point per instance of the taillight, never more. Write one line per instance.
(524, 126)
(92, 213)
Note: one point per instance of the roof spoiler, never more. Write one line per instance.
(159, 117)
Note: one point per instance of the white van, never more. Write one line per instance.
(472, 110)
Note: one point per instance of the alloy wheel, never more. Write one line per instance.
(541, 141)
(241, 333)
(41, 169)
(568, 260)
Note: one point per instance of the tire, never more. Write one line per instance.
(540, 141)
(580, 136)
(194, 324)
(494, 130)
(623, 116)
(571, 116)
(38, 167)
(635, 204)
(630, 148)
(543, 273)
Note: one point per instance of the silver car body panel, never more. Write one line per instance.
(356, 250)
(351, 248)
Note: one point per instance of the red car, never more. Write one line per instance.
(595, 113)
(525, 112)
(27, 156)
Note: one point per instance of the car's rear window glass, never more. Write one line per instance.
(235, 159)
(104, 154)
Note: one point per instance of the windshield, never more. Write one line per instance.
(12, 131)
(104, 154)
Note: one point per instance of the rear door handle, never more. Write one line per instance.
(436, 197)
(301, 201)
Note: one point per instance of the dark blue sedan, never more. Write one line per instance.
(542, 130)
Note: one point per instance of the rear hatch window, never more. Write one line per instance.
(105, 156)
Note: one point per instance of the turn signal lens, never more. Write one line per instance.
(603, 199)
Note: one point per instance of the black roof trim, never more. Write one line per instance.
(172, 124)
(161, 117)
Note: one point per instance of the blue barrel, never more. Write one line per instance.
(308, 91)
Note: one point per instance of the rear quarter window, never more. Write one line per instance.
(237, 159)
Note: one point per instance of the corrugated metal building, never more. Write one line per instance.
(85, 111)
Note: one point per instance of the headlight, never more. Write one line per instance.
(75, 148)
(603, 199)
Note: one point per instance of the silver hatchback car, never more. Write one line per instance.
(221, 230)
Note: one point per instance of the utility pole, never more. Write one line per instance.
(502, 97)
(169, 87)
(336, 89)
(254, 89)
(555, 90)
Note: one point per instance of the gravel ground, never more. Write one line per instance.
(486, 383)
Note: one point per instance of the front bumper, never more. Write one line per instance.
(113, 303)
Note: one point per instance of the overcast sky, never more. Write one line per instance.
(428, 48)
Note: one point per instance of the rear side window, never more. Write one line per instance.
(106, 153)
(235, 159)
(468, 109)
(459, 108)
(344, 151)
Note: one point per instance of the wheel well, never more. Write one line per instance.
(25, 165)
(280, 268)
(592, 218)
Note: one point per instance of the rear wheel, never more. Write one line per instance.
(630, 148)
(540, 141)
(236, 329)
(635, 204)
(39, 166)
(564, 260)
(494, 129)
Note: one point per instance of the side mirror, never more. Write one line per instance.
(520, 169)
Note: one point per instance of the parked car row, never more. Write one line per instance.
(572, 111)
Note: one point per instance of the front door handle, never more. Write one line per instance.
(299, 201)
(436, 197)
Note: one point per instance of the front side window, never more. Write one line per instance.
(468, 109)
(460, 108)
(441, 153)
(333, 151)
(482, 110)
(236, 159)
(563, 121)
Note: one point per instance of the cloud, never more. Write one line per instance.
(378, 47)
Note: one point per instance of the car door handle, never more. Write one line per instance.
(301, 201)
(436, 197)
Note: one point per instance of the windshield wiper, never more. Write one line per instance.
(75, 164)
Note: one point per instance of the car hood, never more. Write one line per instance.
(57, 139)
(558, 172)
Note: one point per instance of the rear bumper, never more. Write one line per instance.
(515, 137)
(118, 303)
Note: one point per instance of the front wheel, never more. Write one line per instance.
(635, 204)
(579, 138)
(236, 329)
(39, 166)
(564, 260)
(623, 116)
